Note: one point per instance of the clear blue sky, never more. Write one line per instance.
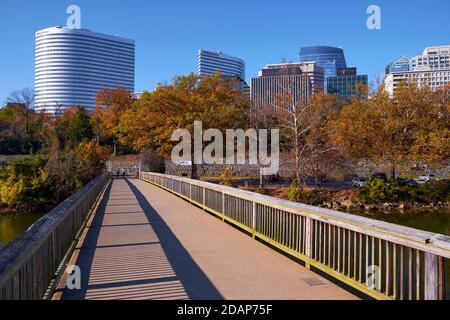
(169, 33)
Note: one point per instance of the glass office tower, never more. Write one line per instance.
(329, 58)
(345, 83)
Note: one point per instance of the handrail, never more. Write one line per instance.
(28, 264)
(383, 260)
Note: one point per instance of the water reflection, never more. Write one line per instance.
(433, 221)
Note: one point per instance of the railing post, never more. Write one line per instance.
(204, 203)
(308, 239)
(254, 220)
(223, 205)
(434, 277)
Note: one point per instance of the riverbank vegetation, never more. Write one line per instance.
(69, 158)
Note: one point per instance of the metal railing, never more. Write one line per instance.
(382, 260)
(28, 264)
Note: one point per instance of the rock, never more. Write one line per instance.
(335, 205)
(349, 204)
(370, 207)
(328, 205)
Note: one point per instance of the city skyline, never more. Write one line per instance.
(165, 49)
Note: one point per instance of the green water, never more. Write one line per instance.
(428, 220)
(13, 225)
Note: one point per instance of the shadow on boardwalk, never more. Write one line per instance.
(129, 252)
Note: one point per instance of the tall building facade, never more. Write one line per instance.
(71, 65)
(299, 80)
(345, 83)
(209, 62)
(326, 57)
(431, 69)
(433, 58)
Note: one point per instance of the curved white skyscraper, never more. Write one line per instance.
(71, 65)
(209, 62)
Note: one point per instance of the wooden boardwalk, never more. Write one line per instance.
(145, 243)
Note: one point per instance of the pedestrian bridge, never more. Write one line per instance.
(165, 237)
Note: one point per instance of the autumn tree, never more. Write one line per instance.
(152, 119)
(111, 104)
(23, 101)
(19, 123)
(411, 126)
(305, 121)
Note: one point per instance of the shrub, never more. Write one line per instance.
(40, 183)
(377, 191)
(263, 191)
(297, 194)
(225, 177)
(24, 182)
(432, 191)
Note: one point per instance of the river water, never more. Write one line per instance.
(13, 225)
(428, 220)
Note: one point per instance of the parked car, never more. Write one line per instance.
(379, 175)
(405, 182)
(427, 177)
(359, 182)
(412, 183)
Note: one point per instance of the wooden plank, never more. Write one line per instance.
(431, 277)
(308, 227)
(410, 273)
(394, 270)
(380, 264)
(441, 278)
(338, 249)
(329, 245)
(418, 277)
(402, 287)
(360, 257)
(388, 269)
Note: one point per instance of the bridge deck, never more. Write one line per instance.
(145, 243)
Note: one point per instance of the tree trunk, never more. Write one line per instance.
(393, 171)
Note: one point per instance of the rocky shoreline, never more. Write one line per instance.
(348, 205)
(347, 200)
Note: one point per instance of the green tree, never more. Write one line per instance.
(79, 127)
